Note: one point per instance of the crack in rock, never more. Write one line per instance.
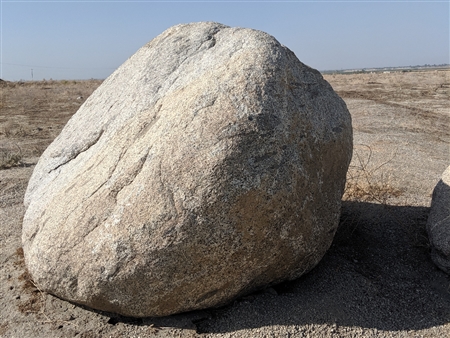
(77, 150)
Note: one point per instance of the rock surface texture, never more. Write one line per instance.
(438, 225)
(210, 164)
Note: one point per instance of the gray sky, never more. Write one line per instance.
(90, 39)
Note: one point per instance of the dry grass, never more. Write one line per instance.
(33, 113)
(367, 181)
(10, 157)
(13, 129)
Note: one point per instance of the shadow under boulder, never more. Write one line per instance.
(376, 275)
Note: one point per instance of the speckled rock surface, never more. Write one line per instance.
(438, 225)
(210, 164)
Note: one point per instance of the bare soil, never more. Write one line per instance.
(377, 279)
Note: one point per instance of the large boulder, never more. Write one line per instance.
(438, 225)
(210, 164)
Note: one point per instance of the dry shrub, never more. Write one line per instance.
(12, 129)
(10, 157)
(366, 182)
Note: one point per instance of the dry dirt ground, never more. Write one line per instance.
(377, 280)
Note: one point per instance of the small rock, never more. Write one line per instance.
(438, 225)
